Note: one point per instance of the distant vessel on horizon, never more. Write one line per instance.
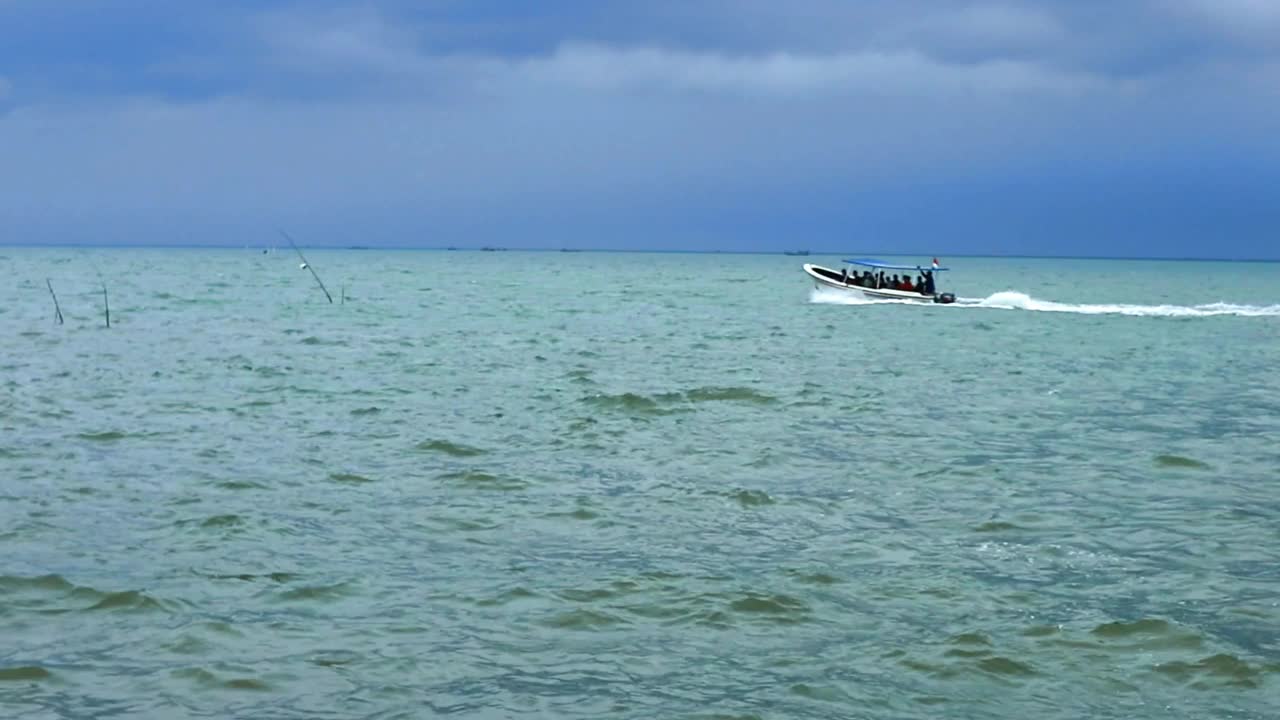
(796, 252)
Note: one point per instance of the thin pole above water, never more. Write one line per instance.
(106, 306)
(307, 265)
(56, 308)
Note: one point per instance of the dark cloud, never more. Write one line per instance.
(132, 46)
(736, 124)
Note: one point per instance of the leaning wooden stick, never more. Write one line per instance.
(56, 308)
(307, 265)
(106, 306)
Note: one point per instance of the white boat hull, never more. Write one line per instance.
(827, 278)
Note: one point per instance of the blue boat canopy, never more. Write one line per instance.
(871, 262)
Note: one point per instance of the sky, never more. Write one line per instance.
(1144, 128)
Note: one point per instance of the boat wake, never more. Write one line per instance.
(1011, 300)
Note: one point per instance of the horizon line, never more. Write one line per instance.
(648, 251)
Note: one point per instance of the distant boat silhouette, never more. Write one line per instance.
(796, 252)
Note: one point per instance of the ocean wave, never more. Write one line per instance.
(674, 402)
(449, 448)
(54, 594)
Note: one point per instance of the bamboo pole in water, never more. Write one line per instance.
(106, 306)
(307, 265)
(56, 308)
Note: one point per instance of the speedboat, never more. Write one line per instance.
(874, 288)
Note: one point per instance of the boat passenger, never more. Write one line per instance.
(929, 287)
(844, 275)
(906, 284)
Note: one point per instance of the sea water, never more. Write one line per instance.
(592, 485)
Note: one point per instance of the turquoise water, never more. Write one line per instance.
(608, 485)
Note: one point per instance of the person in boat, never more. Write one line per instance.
(929, 287)
(844, 275)
(906, 284)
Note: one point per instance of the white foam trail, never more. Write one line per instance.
(1012, 300)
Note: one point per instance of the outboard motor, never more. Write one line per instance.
(944, 298)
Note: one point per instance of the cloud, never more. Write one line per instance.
(781, 74)
(1253, 21)
(981, 30)
(325, 42)
(387, 58)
